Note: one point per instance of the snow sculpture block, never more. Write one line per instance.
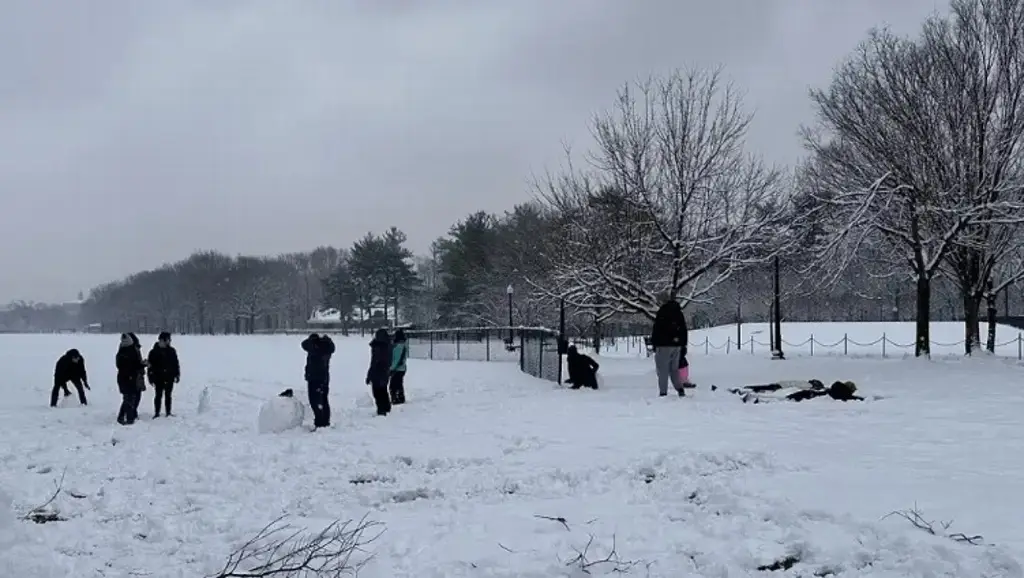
(280, 414)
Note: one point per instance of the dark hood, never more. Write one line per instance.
(381, 337)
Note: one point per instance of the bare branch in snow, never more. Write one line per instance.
(281, 551)
(43, 513)
(917, 519)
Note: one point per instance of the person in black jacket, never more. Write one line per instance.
(319, 349)
(668, 338)
(380, 370)
(70, 367)
(582, 369)
(163, 372)
(130, 366)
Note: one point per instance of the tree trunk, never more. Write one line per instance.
(922, 340)
(990, 302)
(972, 317)
(597, 337)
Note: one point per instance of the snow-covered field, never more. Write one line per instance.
(462, 477)
(859, 339)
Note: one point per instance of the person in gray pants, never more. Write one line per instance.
(668, 338)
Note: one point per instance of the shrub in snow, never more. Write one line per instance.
(280, 414)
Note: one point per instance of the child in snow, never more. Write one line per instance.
(380, 369)
(399, 354)
(319, 349)
(582, 369)
(70, 367)
(163, 372)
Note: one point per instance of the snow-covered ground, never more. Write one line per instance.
(462, 476)
(859, 339)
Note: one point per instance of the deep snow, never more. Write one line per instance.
(460, 474)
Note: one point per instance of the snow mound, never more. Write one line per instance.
(8, 523)
(69, 401)
(204, 401)
(280, 414)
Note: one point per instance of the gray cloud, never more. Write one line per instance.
(133, 133)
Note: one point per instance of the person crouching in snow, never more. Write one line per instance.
(399, 355)
(380, 369)
(582, 369)
(163, 372)
(70, 367)
(130, 366)
(319, 349)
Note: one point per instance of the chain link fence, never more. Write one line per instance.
(535, 349)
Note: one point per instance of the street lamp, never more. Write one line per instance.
(510, 291)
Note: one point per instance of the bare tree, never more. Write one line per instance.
(680, 196)
(979, 50)
(878, 170)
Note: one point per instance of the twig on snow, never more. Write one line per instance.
(917, 519)
(612, 559)
(281, 551)
(558, 519)
(42, 513)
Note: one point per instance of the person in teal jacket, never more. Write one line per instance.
(399, 354)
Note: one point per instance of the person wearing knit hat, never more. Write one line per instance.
(163, 372)
(129, 364)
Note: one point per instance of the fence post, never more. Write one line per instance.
(522, 349)
(883, 344)
(728, 344)
(707, 345)
(1020, 344)
(431, 345)
(458, 346)
(812, 345)
(487, 339)
(846, 344)
(540, 357)
(751, 344)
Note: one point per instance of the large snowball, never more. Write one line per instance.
(281, 414)
(69, 400)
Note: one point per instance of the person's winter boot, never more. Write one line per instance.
(682, 392)
(663, 394)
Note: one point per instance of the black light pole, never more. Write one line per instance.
(777, 353)
(510, 291)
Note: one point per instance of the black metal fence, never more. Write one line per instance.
(534, 349)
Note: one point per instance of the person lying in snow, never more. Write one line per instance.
(582, 369)
(796, 391)
(163, 372)
(70, 367)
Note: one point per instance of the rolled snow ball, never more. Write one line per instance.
(69, 401)
(280, 414)
(600, 381)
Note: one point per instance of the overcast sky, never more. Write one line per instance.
(134, 132)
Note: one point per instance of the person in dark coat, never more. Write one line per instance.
(582, 369)
(70, 367)
(163, 372)
(130, 366)
(668, 338)
(319, 349)
(380, 369)
(140, 379)
(399, 357)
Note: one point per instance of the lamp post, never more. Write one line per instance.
(777, 330)
(510, 291)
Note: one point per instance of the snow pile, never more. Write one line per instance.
(69, 401)
(204, 401)
(280, 414)
(8, 523)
